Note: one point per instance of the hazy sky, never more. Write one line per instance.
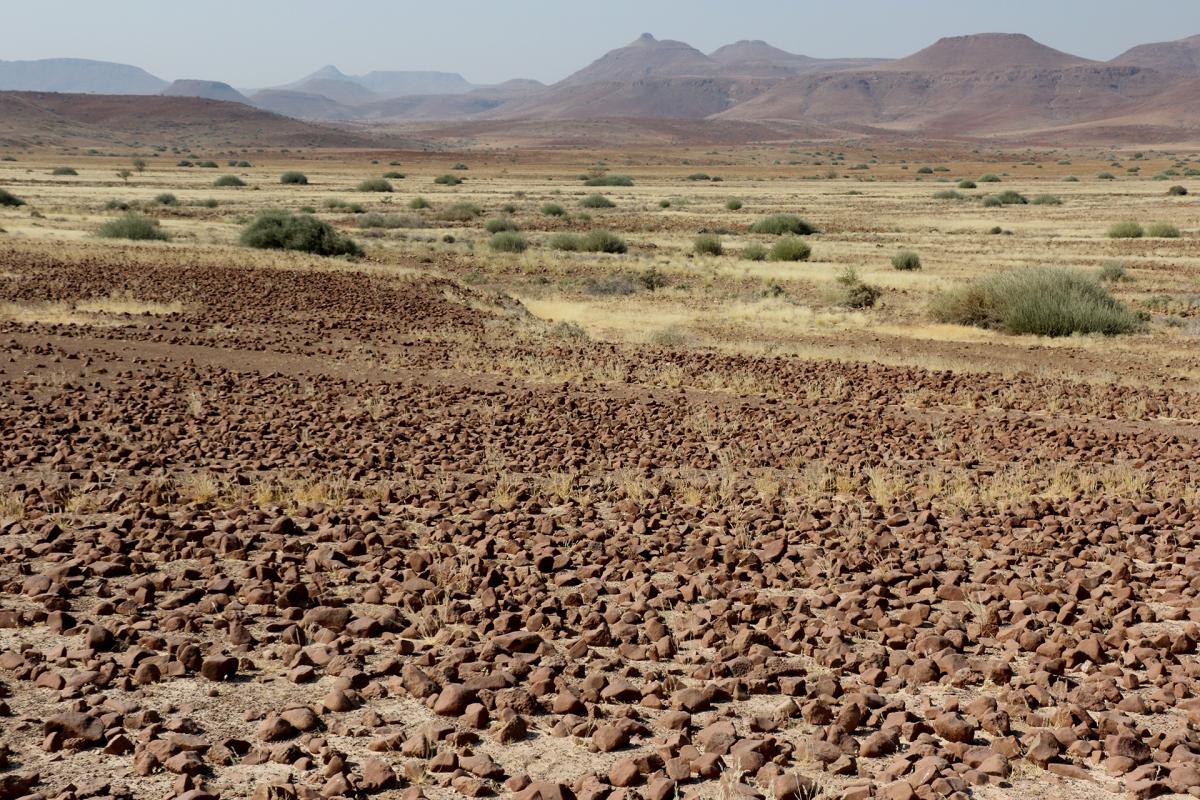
(255, 43)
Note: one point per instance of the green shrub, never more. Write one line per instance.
(63, 171)
(1106, 176)
(282, 230)
(699, 176)
(1040, 301)
(1047, 200)
(992, 201)
(1011, 198)
(9, 199)
(966, 184)
(989, 178)
(229, 180)
(850, 292)
(206, 203)
(111, 205)
(294, 178)
(508, 242)
(335, 204)
(375, 185)
(447, 180)
(398, 176)
(133, 226)
(733, 204)
(390, 221)
(499, 225)
(166, 199)
(565, 241)
(754, 252)
(597, 201)
(1177, 191)
(1114, 272)
(1162, 230)
(1070, 179)
(602, 242)
(460, 166)
(948, 194)
(241, 164)
(779, 224)
(185, 163)
(925, 171)
(906, 260)
(707, 244)
(553, 210)
(664, 203)
(418, 203)
(460, 212)
(1126, 230)
(208, 164)
(609, 180)
(651, 279)
(790, 248)
(508, 208)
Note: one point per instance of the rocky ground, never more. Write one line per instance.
(297, 533)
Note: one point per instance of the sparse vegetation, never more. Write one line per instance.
(1114, 272)
(1047, 200)
(294, 178)
(553, 210)
(790, 248)
(851, 292)
(508, 241)
(1177, 191)
(989, 178)
(229, 181)
(1040, 301)
(166, 199)
(1126, 230)
(733, 204)
(393, 175)
(602, 242)
(906, 260)
(9, 199)
(1162, 230)
(707, 244)
(499, 225)
(609, 180)
(966, 184)
(63, 171)
(447, 180)
(419, 203)
(132, 225)
(754, 252)
(375, 185)
(568, 242)
(282, 230)
(460, 212)
(780, 224)
(390, 221)
(948, 194)
(597, 201)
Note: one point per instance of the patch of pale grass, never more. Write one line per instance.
(124, 305)
(96, 312)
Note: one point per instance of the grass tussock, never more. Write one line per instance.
(708, 244)
(134, 226)
(500, 225)
(508, 242)
(1126, 230)
(390, 221)
(1162, 230)
(790, 248)
(609, 180)
(375, 185)
(460, 212)
(597, 201)
(906, 260)
(780, 224)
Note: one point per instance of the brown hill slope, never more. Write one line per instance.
(666, 98)
(302, 105)
(61, 118)
(209, 90)
(985, 52)
(1181, 56)
(645, 57)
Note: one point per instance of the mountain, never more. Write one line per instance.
(1181, 56)
(77, 75)
(646, 57)
(209, 90)
(341, 91)
(346, 89)
(985, 52)
(62, 118)
(302, 105)
(664, 98)
(756, 58)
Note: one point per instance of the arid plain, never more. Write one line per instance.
(467, 517)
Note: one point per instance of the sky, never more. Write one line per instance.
(258, 43)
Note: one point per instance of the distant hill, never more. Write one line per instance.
(1181, 56)
(645, 57)
(985, 52)
(209, 90)
(756, 58)
(346, 89)
(302, 105)
(77, 75)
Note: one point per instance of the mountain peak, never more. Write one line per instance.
(986, 52)
(1181, 56)
(646, 38)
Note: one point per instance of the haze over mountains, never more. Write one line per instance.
(978, 85)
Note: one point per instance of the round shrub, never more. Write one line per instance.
(1012, 198)
(460, 166)
(989, 178)
(1177, 191)
(948, 194)
(754, 252)
(1162, 230)
(925, 171)
(133, 226)
(553, 210)
(294, 178)
(63, 171)
(1047, 200)
(707, 244)
(602, 242)
(609, 180)
(597, 201)
(375, 185)
(447, 180)
(460, 212)
(499, 225)
(398, 176)
(966, 184)
(282, 230)
(851, 292)
(208, 164)
(1126, 230)
(229, 180)
(1040, 301)
(508, 242)
(418, 203)
(906, 260)
(790, 248)
(1106, 176)
(9, 199)
(166, 199)
(565, 241)
(779, 224)
(733, 204)
(1113, 272)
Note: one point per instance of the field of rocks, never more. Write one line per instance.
(444, 521)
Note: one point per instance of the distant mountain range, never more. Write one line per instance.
(978, 85)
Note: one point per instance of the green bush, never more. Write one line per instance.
(63, 171)
(1114, 272)
(948, 194)
(447, 180)
(597, 201)
(602, 242)
(460, 166)
(294, 178)
(1047, 200)
(185, 163)
(111, 205)
(790, 248)
(9, 199)
(733, 204)
(906, 260)
(398, 176)
(207, 203)
(418, 203)
(229, 180)
(375, 185)
(1070, 179)
(925, 171)
(1106, 176)
(664, 203)
(1040, 301)
(609, 180)
(754, 252)
(553, 210)
(508, 242)
(1126, 230)
(989, 178)
(133, 226)
(779, 224)
(1177, 191)
(208, 164)
(1162, 230)
(390, 221)
(707, 244)
(966, 184)
(1011, 198)
(499, 225)
(699, 176)
(565, 241)
(166, 199)
(335, 204)
(460, 212)
(850, 292)
(282, 230)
